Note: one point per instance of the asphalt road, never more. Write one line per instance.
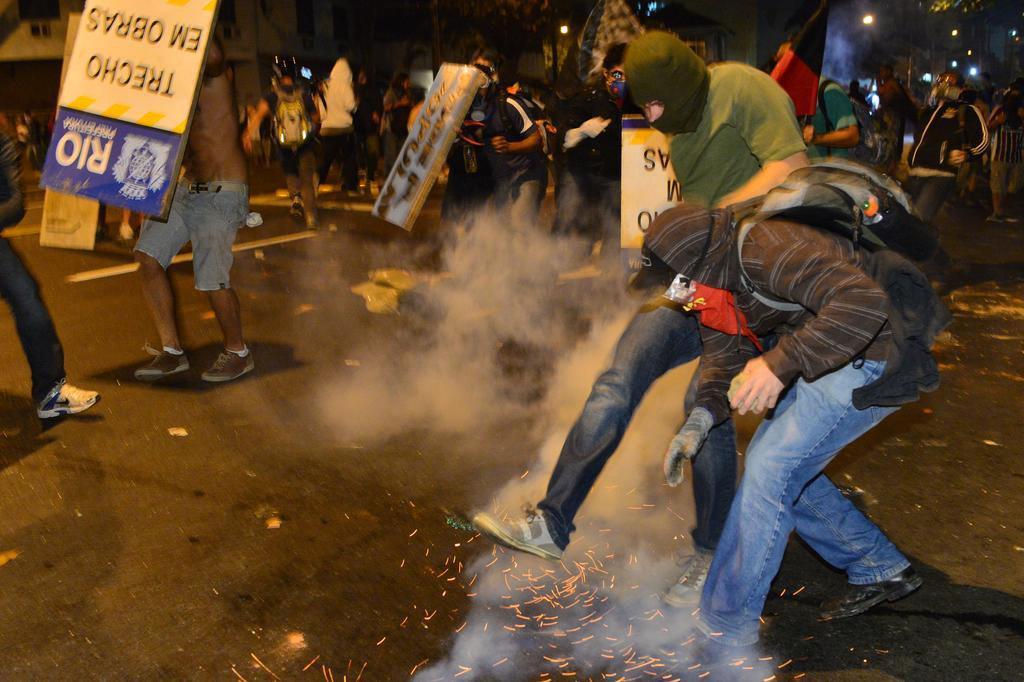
(306, 522)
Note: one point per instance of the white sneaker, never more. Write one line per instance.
(66, 399)
(687, 590)
(528, 534)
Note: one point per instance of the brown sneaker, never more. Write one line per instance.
(163, 365)
(229, 366)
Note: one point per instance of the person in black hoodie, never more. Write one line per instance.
(952, 133)
(590, 195)
(54, 397)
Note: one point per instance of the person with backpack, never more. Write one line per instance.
(295, 118)
(53, 396)
(513, 145)
(895, 107)
(830, 339)
(470, 180)
(734, 137)
(833, 130)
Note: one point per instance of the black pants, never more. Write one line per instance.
(340, 147)
(929, 193)
(32, 320)
(465, 194)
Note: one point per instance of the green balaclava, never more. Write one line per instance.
(661, 67)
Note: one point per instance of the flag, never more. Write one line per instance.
(610, 22)
(799, 68)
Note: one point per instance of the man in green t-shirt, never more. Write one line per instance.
(735, 136)
(834, 130)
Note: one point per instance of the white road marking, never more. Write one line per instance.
(128, 268)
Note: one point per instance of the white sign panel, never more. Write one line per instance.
(127, 100)
(139, 62)
(649, 184)
(426, 148)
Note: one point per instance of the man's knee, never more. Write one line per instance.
(147, 264)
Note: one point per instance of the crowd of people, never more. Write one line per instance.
(789, 320)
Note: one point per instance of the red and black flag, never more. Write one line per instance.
(798, 68)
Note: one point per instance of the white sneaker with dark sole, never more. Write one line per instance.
(66, 399)
(528, 534)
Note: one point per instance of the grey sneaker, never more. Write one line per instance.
(163, 365)
(66, 399)
(528, 534)
(687, 590)
(229, 366)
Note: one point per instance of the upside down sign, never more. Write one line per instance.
(127, 101)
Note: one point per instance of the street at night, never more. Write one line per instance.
(294, 523)
(516, 341)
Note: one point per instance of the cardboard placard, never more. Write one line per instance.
(649, 183)
(127, 101)
(69, 222)
(426, 148)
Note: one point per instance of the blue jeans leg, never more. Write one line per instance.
(657, 340)
(714, 484)
(35, 328)
(783, 489)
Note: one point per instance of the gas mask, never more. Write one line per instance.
(944, 91)
(617, 85)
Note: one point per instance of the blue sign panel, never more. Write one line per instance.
(116, 163)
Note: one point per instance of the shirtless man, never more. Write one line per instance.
(210, 204)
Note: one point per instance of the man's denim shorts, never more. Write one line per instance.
(208, 219)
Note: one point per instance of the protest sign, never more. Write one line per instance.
(127, 101)
(430, 138)
(649, 184)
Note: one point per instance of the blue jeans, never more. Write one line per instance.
(656, 341)
(783, 488)
(35, 328)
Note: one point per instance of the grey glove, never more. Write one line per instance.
(686, 444)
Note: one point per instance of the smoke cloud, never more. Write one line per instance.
(506, 333)
(849, 42)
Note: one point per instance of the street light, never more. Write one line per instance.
(954, 63)
(955, 32)
(868, 19)
(563, 29)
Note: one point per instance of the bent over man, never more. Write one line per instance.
(847, 355)
(734, 137)
(210, 204)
